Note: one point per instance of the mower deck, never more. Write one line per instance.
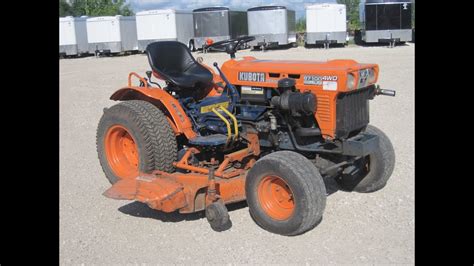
(186, 192)
(192, 191)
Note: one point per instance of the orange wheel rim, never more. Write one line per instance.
(276, 197)
(122, 152)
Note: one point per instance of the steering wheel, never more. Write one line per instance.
(230, 46)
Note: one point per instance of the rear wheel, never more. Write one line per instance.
(132, 137)
(373, 171)
(285, 193)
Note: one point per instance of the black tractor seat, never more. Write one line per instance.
(173, 62)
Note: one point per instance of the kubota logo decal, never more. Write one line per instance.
(252, 76)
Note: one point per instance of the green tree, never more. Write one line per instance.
(352, 11)
(301, 25)
(93, 8)
(64, 9)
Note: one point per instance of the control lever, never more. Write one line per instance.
(148, 74)
(233, 91)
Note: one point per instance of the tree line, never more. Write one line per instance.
(94, 8)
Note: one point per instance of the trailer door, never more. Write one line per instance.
(371, 17)
(211, 24)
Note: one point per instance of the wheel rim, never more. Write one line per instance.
(276, 197)
(122, 152)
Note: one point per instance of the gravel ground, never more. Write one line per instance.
(376, 228)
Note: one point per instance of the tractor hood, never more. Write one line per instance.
(313, 75)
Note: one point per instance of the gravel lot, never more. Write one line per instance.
(375, 228)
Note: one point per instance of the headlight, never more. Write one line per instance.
(351, 82)
(366, 77)
(371, 75)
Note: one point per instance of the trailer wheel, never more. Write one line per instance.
(134, 136)
(285, 193)
(373, 171)
(191, 46)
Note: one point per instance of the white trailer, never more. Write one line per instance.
(112, 34)
(326, 24)
(73, 36)
(271, 26)
(164, 25)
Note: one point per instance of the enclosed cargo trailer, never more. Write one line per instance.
(73, 36)
(218, 24)
(112, 34)
(164, 25)
(271, 26)
(326, 24)
(385, 21)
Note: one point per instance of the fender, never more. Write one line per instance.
(179, 121)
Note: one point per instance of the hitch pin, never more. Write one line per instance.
(379, 91)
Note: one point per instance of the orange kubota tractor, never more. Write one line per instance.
(264, 131)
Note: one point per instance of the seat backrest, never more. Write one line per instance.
(169, 57)
(172, 61)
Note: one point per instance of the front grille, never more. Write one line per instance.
(352, 111)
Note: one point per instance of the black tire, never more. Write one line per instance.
(380, 167)
(304, 181)
(218, 216)
(154, 137)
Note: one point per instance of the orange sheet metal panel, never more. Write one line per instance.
(334, 72)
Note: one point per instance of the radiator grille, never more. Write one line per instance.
(352, 111)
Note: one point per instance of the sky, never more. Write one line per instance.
(297, 5)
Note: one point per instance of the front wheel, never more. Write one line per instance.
(373, 171)
(285, 193)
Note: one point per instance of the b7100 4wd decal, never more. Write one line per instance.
(318, 80)
(252, 76)
(328, 82)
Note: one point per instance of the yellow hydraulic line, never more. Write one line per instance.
(236, 127)
(229, 133)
